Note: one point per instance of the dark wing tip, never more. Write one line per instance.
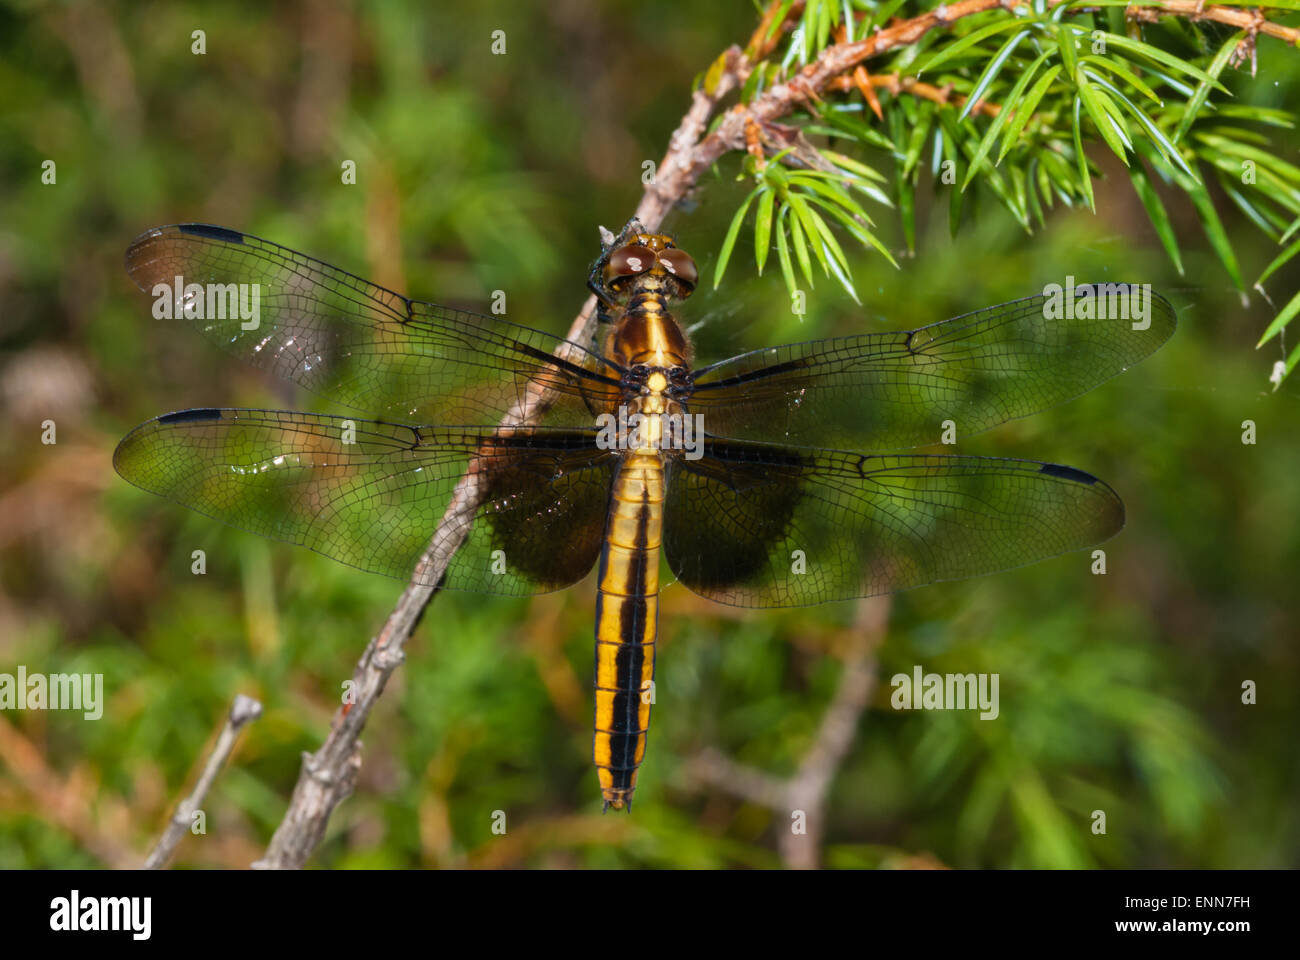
(127, 445)
(211, 232)
(1163, 318)
(1110, 516)
(1168, 315)
(143, 253)
(1067, 473)
(191, 416)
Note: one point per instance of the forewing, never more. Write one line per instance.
(760, 525)
(371, 494)
(889, 391)
(360, 344)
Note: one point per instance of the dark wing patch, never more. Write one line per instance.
(760, 525)
(723, 539)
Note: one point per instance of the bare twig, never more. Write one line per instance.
(1247, 18)
(243, 710)
(678, 170)
(329, 774)
(803, 795)
(897, 84)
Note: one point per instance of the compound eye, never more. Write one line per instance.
(679, 263)
(630, 260)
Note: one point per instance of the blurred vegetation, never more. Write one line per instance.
(478, 172)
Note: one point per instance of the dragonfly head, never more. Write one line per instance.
(650, 262)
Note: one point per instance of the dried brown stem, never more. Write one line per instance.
(897, 84)
(1247, 18)
(243, 710)
(803, 794)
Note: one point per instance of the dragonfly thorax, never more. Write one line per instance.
(648, 335)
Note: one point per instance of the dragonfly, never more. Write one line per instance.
(779, 477)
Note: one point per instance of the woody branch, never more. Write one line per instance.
(242, 711)
(803, 794)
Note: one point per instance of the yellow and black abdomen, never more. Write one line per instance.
(627, 620)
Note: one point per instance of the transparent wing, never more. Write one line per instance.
(355, 342)
(889, 391)
(760, 525)
(371, 494)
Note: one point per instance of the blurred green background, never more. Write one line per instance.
(476, 172)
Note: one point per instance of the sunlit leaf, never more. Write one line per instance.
(1256, 114)
(783, 250)
(965, 43)
(1025, 110)
(1280, 321)
(1193, 106)
(1157, 135)
(1290, 231)
(836, 194)
(1268, 220)
(1177, 64)
(1262, 158)
(1156, 212)
(1065, 41)
(843, 122)
(763, 229)
(920, 131)
(907, 212)
(1124, 73)
(1294, 358)
(1004, 115)
(1081, 158)
(990, 73)
(854, 166)
(1282, 258)
(809, 220)
(729, 242)
(801, 250)
(1213, 227)
(1093, 102)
